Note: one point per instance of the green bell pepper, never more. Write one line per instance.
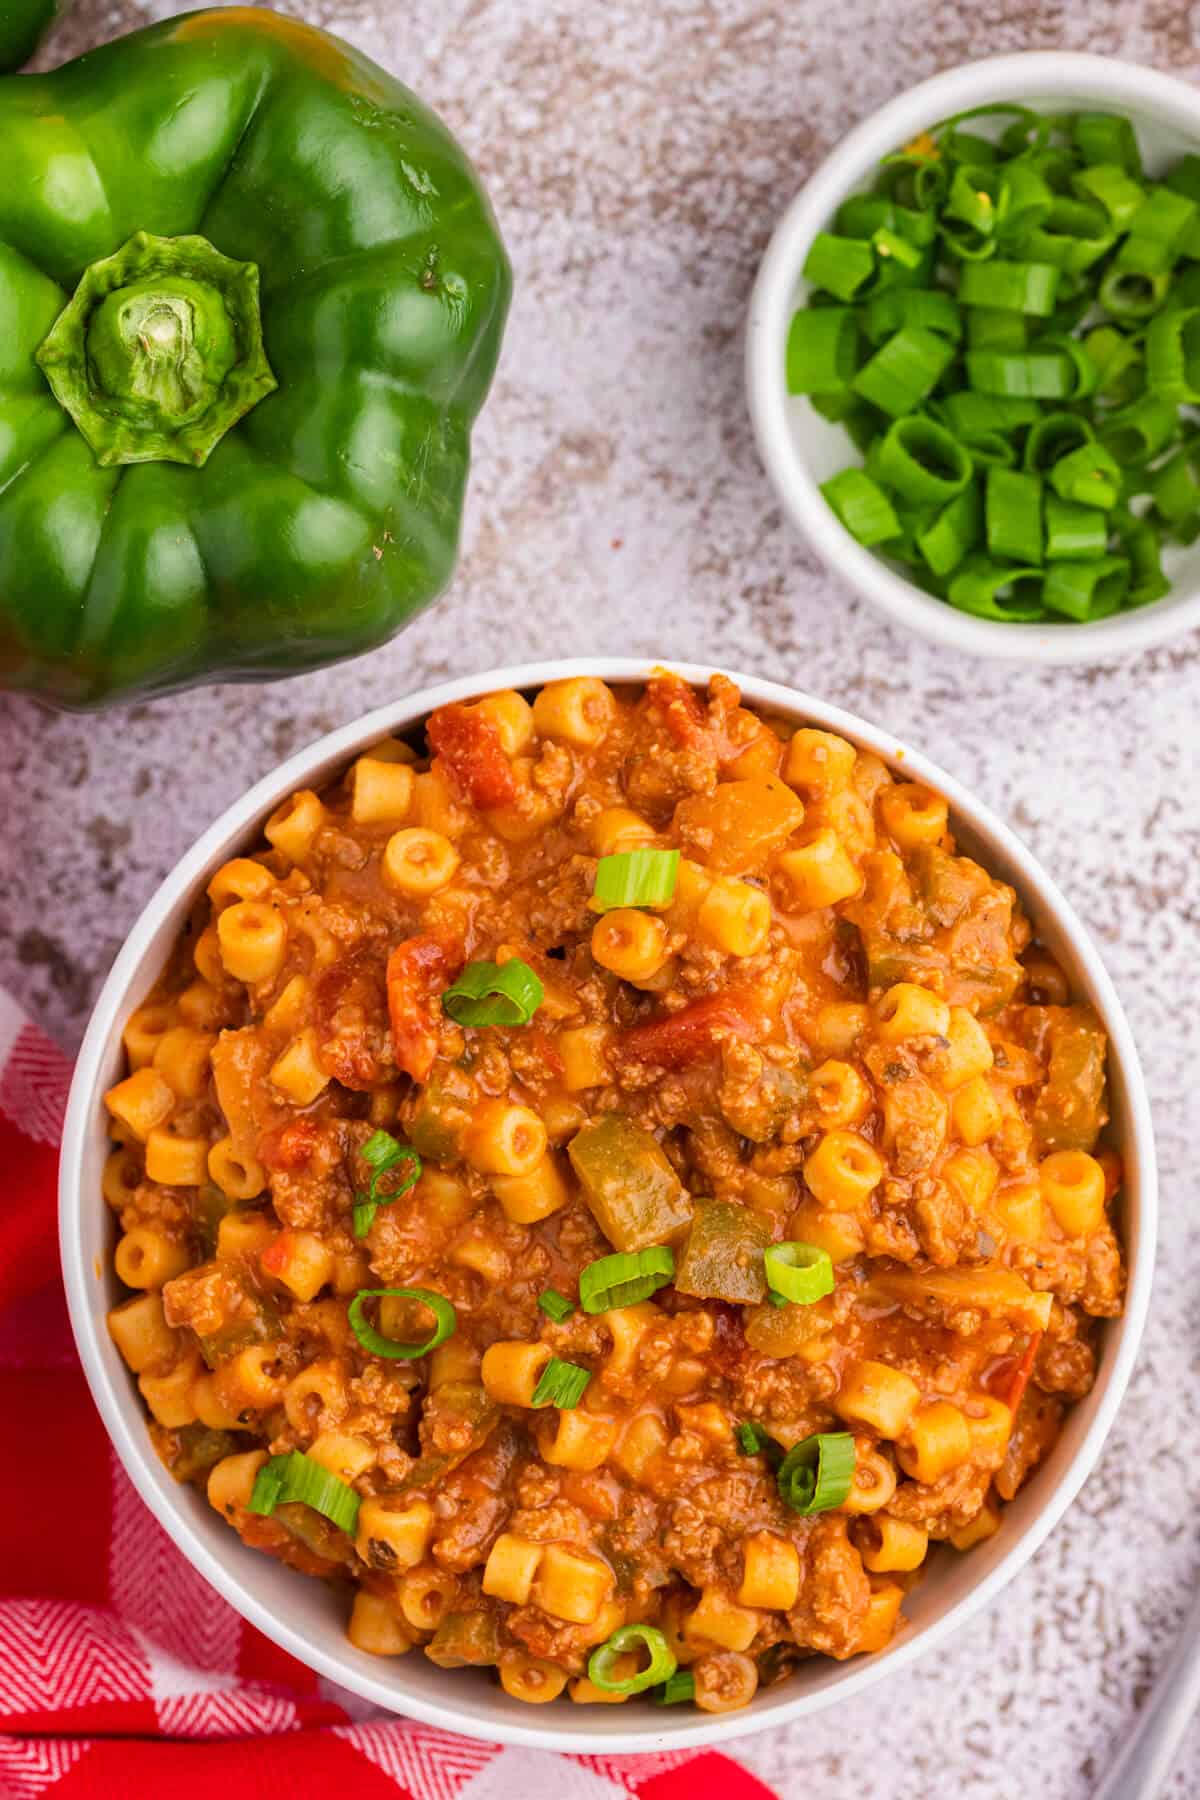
(23, 25)
(251, 301)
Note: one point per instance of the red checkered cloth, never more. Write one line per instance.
(121, 1671)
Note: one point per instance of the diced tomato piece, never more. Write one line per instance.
(290, 1146)
(467, 742)
(681, 709)
(418, 972)
(266, 1534)
(1008, 1376)
(695, 1032)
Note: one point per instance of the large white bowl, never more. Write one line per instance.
(301, 1614)
(801, 449)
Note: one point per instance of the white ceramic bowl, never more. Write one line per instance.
(800, 449)
(301, 1614)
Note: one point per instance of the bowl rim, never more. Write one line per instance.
(1124, 85)
(122, 1413)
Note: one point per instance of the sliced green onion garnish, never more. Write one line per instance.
(635, 878)
(1053, 436)
(1073, 235)
(1173, 355)
(903, 370)
(839, 265)
(922, 461)
(822, 350)
(1107, 138)
(1021, 374)
(1130, 294)
(955, 531)
(679, 1686)
(1175, 488)
(1074, 533)
(660, 1667)
(989, 590)
(751, 1437)
(625, 1278)
(286, 1480)
(862, 506)
(561, 1384)
(488, 993)
(818, 1472)
(1086, 590)
(995, 328)
(379, 1345)
(381, 1153)
(890, 246)
(1110, 187)
(1022, 287)
(930, 308)
(1089, 476)
(556, 1306)
(1013, 513)
(1138, 432)
(802, 1273)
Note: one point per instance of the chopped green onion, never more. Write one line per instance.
(988, 590)
(561, 1384)
(1128, 294)
(1073, 236)
(1024, 287)
(635, 878)
(864, 214)
(381, 1153)
(1173, 356)
(991, 451)
(1136, 433)
(752, 1438)
(1013, 515)
(818, 1472)
(1155, 234)
(929, 308)
(625, 1278)
(801, 1273)
(1175, 488)
(1110, 187)
(839, 265)
(296, 1478)
(378, 1345)
(1107, 138)
(973, 196)
(1074, 533)
(1054, 435)
(1087, 475)
(970, 415)
(1087, 590)
(995, 328)
(922, 461)
(1005, 423)
(1020, 375)
(556, 1306)
(679, 1686)
(903, 370)
(1117, 361)
(822, 350)
(955, 531)
(862, 506)
(488, 993)
(891, 246)
(660, 1667)
(1140, 542)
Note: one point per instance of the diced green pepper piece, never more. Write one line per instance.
(441, 1115)
(634, 1194)
(465, 1640)
(1070, 1111)
(723, 1256)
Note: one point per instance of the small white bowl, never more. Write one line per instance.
(801, 449)
(302, 1615)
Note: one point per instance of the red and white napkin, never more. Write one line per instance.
(122, 1673)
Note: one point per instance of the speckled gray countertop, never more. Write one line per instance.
(638, 152)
